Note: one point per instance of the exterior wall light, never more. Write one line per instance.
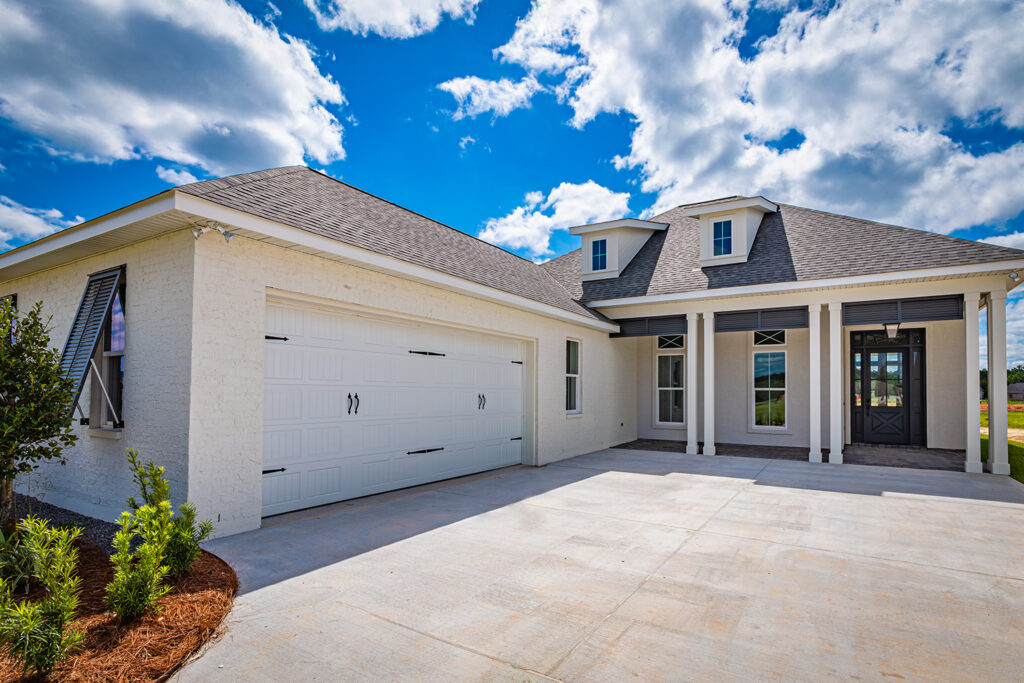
(201, 228)
(1014, 276)
(891, 330)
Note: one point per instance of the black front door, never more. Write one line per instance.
(887, 402)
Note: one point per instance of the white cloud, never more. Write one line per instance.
(175, 176)
(1014, 239)
(870, 84)
(477, 95)
(466, 141)
(21, 223)
(389, 18)
(530, 225)
(195, 82)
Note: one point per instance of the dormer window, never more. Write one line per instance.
(722, 238)
(599, 255)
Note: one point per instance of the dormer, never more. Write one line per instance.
(728, 227)
(609, 247)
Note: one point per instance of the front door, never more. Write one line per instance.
(888, 397)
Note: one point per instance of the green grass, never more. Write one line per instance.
(1015, 419)
(1016, 458)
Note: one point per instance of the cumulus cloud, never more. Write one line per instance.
(1014, 239)
(195, 82)
(530, 225)
(20, 223)
(870, 87)
(388, 18)
(477, 95)
(175, 176)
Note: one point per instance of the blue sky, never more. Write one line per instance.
(513, 120)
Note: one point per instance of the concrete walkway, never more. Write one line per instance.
(631, 564)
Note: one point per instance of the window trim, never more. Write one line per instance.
(594, 254)
(656, 406)
(767, 348)
(715, 239)
(577, 375)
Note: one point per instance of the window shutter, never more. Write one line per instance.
(651, 327)
(764, 319)
(904, 310)
(871, 312)
(737, 321)
(85, 331)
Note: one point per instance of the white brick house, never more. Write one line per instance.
(337, 345)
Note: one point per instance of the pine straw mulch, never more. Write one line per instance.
(151, 647)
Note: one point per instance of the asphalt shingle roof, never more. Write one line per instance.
(309, 200)
(792, 245)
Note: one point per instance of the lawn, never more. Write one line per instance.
(1015, 418)
(1016, 458)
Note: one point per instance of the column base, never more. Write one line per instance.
(709, 449)
(973, 467)
(814, 456)
(835, 458)
(1000, 468)
(691, 449)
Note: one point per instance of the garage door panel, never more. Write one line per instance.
(408, 403)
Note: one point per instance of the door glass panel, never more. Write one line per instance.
(670, 405)
(894, 379)
(857, 377)
(877, 381)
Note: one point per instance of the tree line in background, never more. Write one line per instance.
(1014, 375)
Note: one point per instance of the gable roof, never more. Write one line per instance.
(306, 199)
(792, 245)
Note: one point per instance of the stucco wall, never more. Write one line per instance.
(232, 282)
(96, 480)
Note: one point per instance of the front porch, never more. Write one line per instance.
(911, 457)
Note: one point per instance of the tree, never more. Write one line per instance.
(35, 423)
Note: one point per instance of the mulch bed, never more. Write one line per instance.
(151, 647)
(1012, 407)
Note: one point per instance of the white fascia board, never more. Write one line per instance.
(759, 203)
(806, 285)
(379, 262)
(617, 223)
(132, 213)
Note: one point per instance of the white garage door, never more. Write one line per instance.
(356, 405)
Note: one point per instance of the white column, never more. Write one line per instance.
(691, 383)
(972, 390)
(814, 393)
(835, 383)
(997, 435)
(709, 383)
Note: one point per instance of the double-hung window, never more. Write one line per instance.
(572, 376)
(769, 379)
(106, 408)
(722, 238)
(670, 388)
(599, 255)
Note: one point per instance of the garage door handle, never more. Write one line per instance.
(357, 403)
(485, 400)
(425, 450)
(350, 404)
(479, 401)
(279, 469)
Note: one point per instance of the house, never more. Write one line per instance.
(1015, 391)
(281, 340)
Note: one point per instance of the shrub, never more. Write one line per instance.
(40, 634)
(17, 561)
(185, 535)
(139, 574)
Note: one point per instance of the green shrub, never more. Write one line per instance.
(40, 634)
(185, 535)
(139, 574)
(17, 561)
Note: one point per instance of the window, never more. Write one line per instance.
(770, 389)
(670, 390)
(769, 338)
(106, 407)
(722, 238)
(599, 255)
(572, 376)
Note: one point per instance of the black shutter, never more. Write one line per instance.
(871, 313)
(85, 331)
(904, 310)
(651, 327)
(764, 319)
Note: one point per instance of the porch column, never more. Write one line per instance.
(972, 389)
(709, 383)
(835, 383)
(814, 356)
(691, 382)
(997, 435)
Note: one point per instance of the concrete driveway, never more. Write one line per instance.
(633, 564)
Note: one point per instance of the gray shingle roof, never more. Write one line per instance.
(792, 245)
(309, 200)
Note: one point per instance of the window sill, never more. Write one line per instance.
(104, 433)
(573, 415)
(769, 430)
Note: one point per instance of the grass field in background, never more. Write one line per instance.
(1016, 458)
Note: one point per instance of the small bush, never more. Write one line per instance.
(185, 535)
(139, 574)
(39, 634)
(17, 561)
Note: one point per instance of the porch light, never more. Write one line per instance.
(891, 330)
(1014, 276)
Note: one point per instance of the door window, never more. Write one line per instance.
(887, 379)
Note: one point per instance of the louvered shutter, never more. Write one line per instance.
(88, 324)
(764, 319)
(904, 310)
(651, 327)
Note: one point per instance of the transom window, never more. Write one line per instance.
(672, 341)
(572, 376)
(599, 255)
(769, 338)
(722, 237)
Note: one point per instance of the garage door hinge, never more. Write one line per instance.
(516, 438)
(279, 469)
(426, 353)
(518, 362)
(270, 336)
